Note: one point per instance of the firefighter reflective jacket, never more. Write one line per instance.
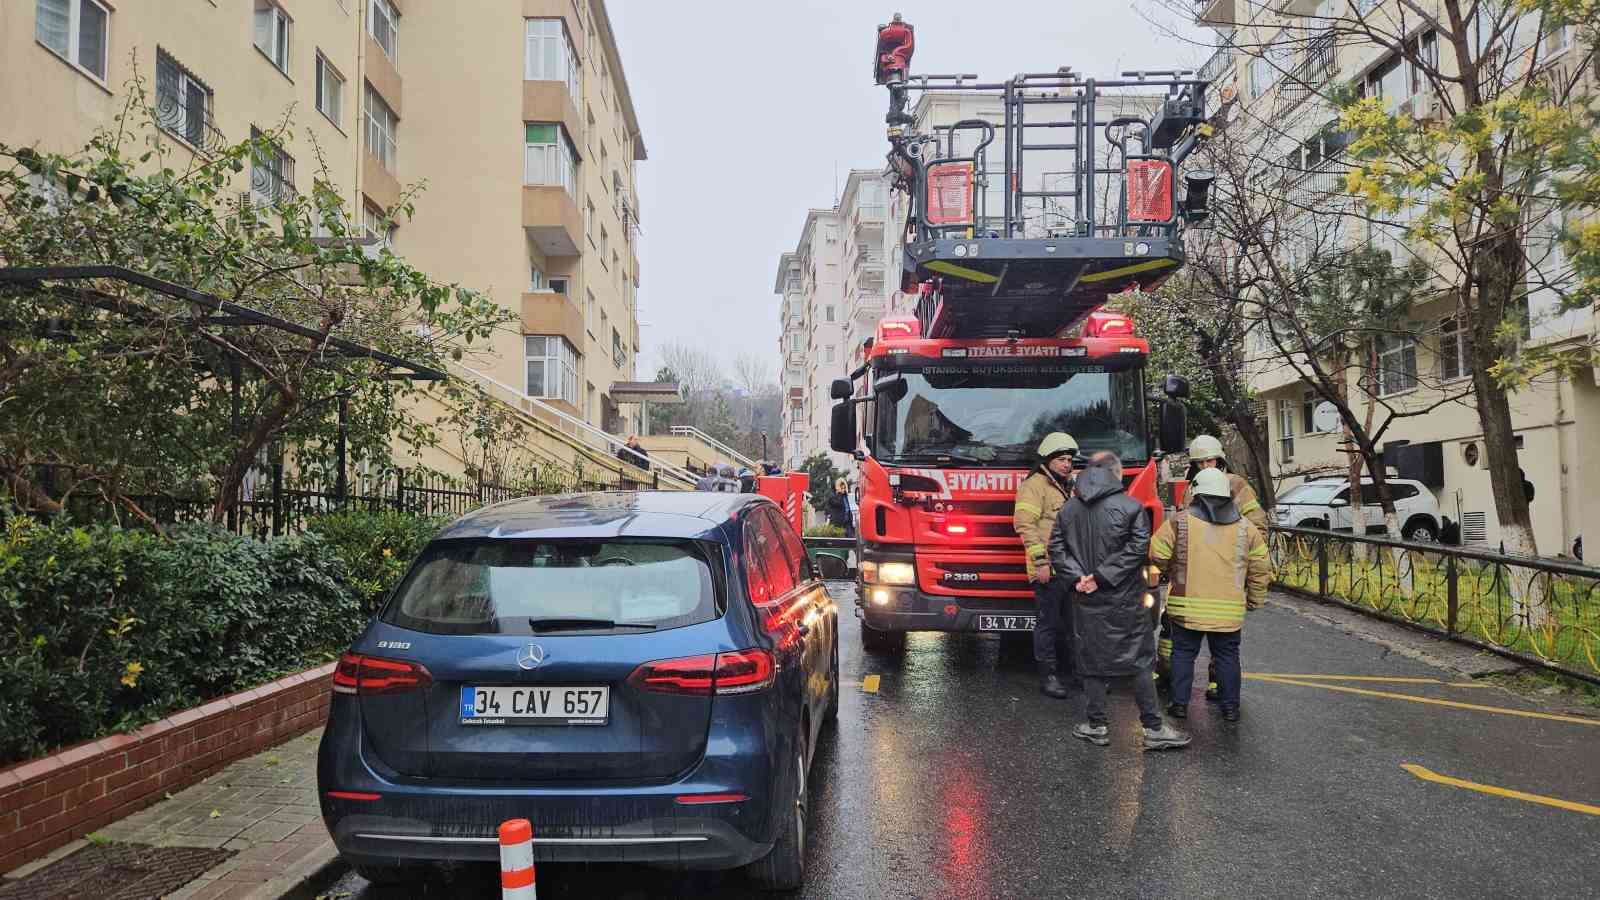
(1244, 497)
(1217, 563)
(1039, 497)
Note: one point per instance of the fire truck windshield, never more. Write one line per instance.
(996, 414)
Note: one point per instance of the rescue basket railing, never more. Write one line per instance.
(1541, 612)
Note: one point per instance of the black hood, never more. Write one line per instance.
(1095, 484)
(1216, 510)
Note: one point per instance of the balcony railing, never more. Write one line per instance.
(1220, 63)
(1316, 67)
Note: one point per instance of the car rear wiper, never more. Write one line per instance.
(581, 624)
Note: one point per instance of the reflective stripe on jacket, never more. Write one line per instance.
(1217, 571)
(1039, 498)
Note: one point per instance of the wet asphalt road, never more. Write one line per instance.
(958, 779)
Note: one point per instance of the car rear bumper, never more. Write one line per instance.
(682, 842)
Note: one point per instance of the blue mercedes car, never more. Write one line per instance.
(643, 676)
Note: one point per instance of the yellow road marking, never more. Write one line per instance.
(1435, 777)
(869, 684)
(1276, 679)
(1380, 678)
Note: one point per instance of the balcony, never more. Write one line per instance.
(550, 217)
(1221, 13)
(868, 219)
(866, 307)
(549, 101)
(1298, 7)
(1317, 66)
(547, 312)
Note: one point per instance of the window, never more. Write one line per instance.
(330, 91)
(618, 356)
(1308, 412)
(828, 313)
(794, 549)
(1285, 431)
(1399, 492)
(382, 125)
(588, 219)
(1454, 361)
(374, 226)
(76, 31)
(548, 158)
(183, 102)
(592, 406)
(770, 573)
(1397, 79)
(1275, 59)
(272, 33)
(552, 367)
(383, 22)
(827, 353)
(589, 307)
(550, 56)
(271, 170)
(536, 280)
(558, 285)
(1397, 364)
(605, 244)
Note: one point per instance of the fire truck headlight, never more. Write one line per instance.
(897, 573)
(869, 571)
(880, 597)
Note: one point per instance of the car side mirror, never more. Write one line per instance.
(1338, 503)
(841, 389)
(1174, 426)
(842, 428)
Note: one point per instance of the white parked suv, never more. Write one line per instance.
(1325, 503)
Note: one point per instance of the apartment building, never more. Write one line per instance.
(1268, 78)
(516, 116)
(834, 286)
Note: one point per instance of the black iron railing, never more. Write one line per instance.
(1542, 612)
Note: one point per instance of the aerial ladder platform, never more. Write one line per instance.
(1051, 253)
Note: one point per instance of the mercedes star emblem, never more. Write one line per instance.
(531, 656)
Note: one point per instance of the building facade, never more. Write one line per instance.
(1269, 79)
(527, 145)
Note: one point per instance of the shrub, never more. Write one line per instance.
(104, 628)
(376, 546)
(825, 531)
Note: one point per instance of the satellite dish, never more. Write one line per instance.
(1325, 417)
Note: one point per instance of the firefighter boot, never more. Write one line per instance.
(1051, 685)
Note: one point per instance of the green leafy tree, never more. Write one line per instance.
(823, 475)
(124, 391)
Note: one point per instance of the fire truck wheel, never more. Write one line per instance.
(875, 641)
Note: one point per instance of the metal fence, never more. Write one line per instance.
(1541, 612)
(274, 501)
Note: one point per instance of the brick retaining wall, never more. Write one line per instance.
(53, 800)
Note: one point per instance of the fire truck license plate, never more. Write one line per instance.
(1007, 623)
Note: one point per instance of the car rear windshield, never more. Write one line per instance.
(529, 587)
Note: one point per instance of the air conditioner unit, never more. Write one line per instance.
(1407, 109)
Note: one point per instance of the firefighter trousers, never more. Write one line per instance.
(1052, 632)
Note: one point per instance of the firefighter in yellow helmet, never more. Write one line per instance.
(1217, 564)
(1039, 497)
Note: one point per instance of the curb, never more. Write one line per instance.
(313, 868)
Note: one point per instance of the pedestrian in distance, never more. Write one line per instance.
(708, 481)
(747, 481)
(727, 483)
(1205, 452)
(1217, 564)
(1040, 497)
(1099, 544)
(634, 453)
(838, 508)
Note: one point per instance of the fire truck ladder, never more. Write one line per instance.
(1042, 263)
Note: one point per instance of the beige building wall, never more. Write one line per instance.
(458, 126)
(1555, 418)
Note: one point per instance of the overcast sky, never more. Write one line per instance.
(752, 109)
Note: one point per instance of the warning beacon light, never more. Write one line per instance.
(899, 327)
(1197, 195)
(1103, 324)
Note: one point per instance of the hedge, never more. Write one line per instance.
(103, 629)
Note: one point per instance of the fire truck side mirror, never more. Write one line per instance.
(842, 428)
(1173, 427)
(840, 389)
(1175, 387)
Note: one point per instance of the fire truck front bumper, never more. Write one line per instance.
(905, 608)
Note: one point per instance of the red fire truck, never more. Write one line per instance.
(1009, 340)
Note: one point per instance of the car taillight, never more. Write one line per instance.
(360, 674)
(743, 672)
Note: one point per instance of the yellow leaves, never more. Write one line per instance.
(121, 628)
(387, 553)
(1204, 129)
(131, 673)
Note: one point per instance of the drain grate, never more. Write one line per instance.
(120, 871)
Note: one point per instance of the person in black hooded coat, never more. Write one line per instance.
(1099, 545)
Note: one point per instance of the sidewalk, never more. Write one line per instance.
(263, 808)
